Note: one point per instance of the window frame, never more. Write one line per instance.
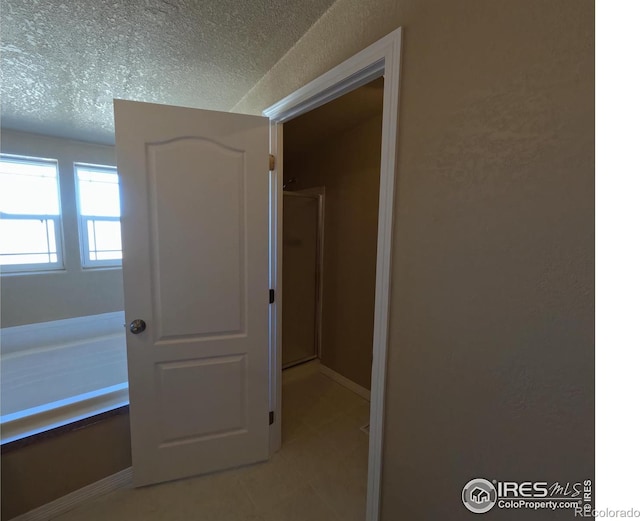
(83, 220)
(28, 268)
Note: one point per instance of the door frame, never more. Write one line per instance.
(381, 58)
(318, 194)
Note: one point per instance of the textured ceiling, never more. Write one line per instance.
(63, 61)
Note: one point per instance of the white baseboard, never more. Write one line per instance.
(77, 497)
(345, 382)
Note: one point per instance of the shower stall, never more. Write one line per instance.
(302, 245)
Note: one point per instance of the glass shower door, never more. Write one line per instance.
(300, 276)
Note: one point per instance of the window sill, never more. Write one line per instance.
(102, 268)
(39, 419)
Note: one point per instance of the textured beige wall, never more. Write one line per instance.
(348, 166)
(74, 292)
(491, 344)
(36, 474)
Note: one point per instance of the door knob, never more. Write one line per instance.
(137, 326)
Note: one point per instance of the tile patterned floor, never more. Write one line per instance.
(320, 474)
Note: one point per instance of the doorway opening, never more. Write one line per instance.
(331, 154)
(381, 59)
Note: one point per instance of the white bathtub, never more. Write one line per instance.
(53, 373)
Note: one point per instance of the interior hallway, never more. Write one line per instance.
(320, 474)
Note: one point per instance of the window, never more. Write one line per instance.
(30, 231)
(99, 215)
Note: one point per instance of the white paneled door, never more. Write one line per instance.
(195, 224)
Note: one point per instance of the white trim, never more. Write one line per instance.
(338, 81)
(49, 416)
(380, 58)
(345, 382)
(275, 276)
(78, 497)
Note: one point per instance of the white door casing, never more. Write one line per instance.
(195, 232)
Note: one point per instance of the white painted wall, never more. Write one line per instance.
(73, 292)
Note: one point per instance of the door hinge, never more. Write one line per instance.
(272, 296)
(272, 162)
(271, 417)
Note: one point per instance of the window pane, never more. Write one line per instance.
(105, 242)
(51, 236)
(91, 234)
(35, 258)
(98, 192)
(108, 236)
(109, 255)
(29, 187)
(27, 241)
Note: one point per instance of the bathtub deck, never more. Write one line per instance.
(34, 374)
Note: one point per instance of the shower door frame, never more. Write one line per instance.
(318, 194)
